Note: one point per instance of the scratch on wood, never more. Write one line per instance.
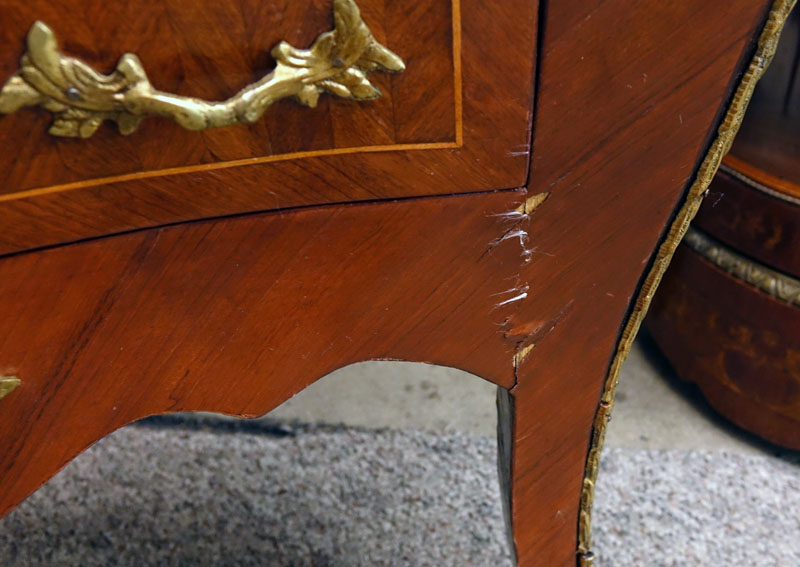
(517, 233)
(520, 291)
(531, 333)
(515, 289)
(519, 297)
(526, 333)
(519, 216)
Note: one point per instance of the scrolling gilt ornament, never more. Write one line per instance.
(81, 98)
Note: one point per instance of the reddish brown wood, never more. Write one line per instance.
(238, 315)
(741, 346)
(184, 317)
(212, 49)
(618, 134)
(754, 223)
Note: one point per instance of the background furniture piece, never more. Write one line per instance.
(507, 207)
(728, 315)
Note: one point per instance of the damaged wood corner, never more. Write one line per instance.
(532, 203)
(523, 335)
(531, 333)
(518, 216)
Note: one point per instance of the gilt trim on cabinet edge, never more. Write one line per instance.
(771, 282)
(81, 99)
(765, 50)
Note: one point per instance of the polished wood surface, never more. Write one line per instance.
(618, 134)
(712, 328)
(236, 314)
(754, 223)
(768, 140)
(456, 120)
(211, 50)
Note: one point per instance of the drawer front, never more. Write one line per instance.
(456, 119)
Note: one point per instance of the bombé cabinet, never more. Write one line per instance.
(209, 205)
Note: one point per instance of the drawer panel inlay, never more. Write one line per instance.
(209, 51)
(456, 120)
(81, 99)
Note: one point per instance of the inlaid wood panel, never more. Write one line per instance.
(237, 315)
(211, 50)
(456, 120)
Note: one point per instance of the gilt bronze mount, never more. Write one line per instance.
(80, 98)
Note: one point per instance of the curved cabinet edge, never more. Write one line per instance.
(237, 315)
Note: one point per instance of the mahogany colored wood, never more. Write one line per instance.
(752, 222)
(236, 314)
(712, 328)
(456, 120)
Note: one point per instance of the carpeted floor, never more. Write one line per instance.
(323, 496)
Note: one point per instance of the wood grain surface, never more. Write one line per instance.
(712, 328)
(619, 132)
(737, 342)
(237, 314)
(456, 120)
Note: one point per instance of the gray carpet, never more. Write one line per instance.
(324, 496)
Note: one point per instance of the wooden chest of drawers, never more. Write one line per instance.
(506, 206)
(456, 120)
